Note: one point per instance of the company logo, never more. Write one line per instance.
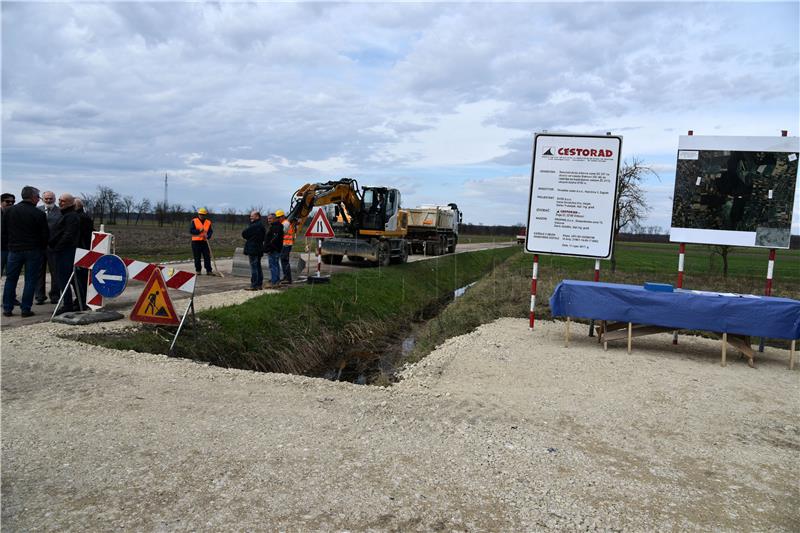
(557, 152)
(585, 152)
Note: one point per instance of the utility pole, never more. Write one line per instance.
(166, 202)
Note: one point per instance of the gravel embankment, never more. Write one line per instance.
(501, 429)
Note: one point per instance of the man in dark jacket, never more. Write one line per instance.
(6, 201)
(63, 242)
(27, 242)
(53, 213)
(254, 250)
(85, 242)
(273, 244)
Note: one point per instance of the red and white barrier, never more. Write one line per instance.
(101, 245)
(180, 280)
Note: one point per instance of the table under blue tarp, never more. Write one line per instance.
(756, 316)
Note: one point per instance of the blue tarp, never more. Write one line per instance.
(757, 316)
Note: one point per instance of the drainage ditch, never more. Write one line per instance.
(379, 362)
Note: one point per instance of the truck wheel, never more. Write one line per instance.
(384, 256)
(403, 257)
(355, 258)
(336, 259)
(452, 248)
(327, 259)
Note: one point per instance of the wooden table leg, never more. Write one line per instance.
(630, 336)
(724, 348)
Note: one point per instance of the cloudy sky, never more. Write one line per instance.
(242, 103)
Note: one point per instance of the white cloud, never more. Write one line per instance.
(441, 99)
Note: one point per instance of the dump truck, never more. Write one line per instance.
(368, 223)
(433, 229)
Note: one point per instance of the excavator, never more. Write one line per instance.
(369, 223)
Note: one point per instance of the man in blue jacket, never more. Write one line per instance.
(254, 250)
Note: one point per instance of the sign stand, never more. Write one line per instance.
(320, 228)
(596, 279)
(189, 307)
(61, 298)
(681, 254)
(768, 288)
(534, 279)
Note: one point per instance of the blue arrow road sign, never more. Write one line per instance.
(109, 276)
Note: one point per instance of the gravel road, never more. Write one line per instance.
(500, 429)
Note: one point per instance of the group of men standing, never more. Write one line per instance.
(276, 240)
(43, 238)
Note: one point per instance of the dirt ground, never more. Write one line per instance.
(500, 429)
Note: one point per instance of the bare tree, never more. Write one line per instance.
(177, 214)
(127, 202)
(89, 204)
(632, 206)
(230, 216)
(107, 202)
(162, 213)
(721, 250)
(142, 207)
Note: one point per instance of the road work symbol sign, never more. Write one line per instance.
(154, 305)
(109, 276)
(320, 228)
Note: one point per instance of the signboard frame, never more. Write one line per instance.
(706, 196)
(560, 138)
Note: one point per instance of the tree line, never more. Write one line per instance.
(107, 206)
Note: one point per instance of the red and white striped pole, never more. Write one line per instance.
(596, 279)
(319, 258)
(681, 255)
(768, 288)
(770, 270)
(533, 286)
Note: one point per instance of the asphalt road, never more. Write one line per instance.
(209, 284)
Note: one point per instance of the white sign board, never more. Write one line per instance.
(573, 194)
(736, 191)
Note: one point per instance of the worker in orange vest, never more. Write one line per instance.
(200, 229)
(288, 241)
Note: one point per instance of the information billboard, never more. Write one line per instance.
(736, 191)
(573, 194)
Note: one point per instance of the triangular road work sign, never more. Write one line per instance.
(320, 228)
(154, 305)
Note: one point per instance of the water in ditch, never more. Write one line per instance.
(378, 365)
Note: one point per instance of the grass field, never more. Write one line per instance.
(659, 260)
(365, 311)
(302, 329)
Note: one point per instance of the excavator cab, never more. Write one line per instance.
(380, 206)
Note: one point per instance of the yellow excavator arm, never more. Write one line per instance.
(344, 192)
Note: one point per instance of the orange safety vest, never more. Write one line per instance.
(203, 226)
(288, 236)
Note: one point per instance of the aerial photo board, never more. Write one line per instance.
(573, 194)
(736, 191)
